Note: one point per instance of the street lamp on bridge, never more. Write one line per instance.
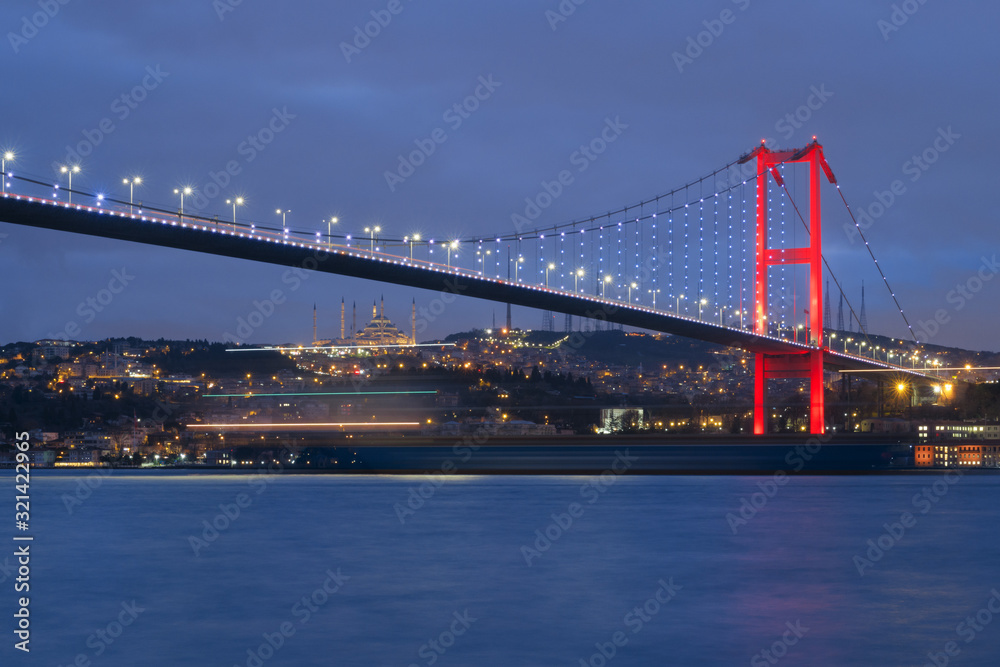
(180, 191)
(607, 281)
(678, 304)
(631, 286)
(131, 183)
(654, 292)
(551, 267)
(8, 156)
(329, 231)
(411, 239)
(454, 246)
(74, 169)
(283, 213)
(576, 279)
(238, 201)
(372, 235)
(701, 304)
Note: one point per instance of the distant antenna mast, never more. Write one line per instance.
(864, 318)
(826, 307)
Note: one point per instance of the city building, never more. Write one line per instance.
(950, 430)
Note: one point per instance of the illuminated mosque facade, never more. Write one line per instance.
(380, 332)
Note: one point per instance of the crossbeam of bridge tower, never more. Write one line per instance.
(808, 363)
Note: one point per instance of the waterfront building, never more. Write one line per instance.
(951, 430)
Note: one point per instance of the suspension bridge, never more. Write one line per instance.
(734, 257)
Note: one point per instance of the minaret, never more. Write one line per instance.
(314, 324)
(354, 320)
(342, 318)
(413, 318)
(374, 309)
(381, 309)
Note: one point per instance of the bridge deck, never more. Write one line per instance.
(261, 246)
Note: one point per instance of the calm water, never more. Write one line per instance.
(455, 572)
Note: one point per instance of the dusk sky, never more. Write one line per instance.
(886, 81)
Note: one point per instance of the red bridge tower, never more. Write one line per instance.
(808, 363)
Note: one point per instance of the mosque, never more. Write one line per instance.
(380, 332)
